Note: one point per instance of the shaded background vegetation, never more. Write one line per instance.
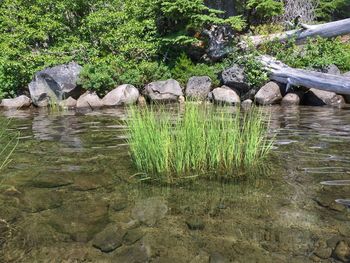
(134, 41)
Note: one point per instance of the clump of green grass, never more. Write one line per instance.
(8, 143)
(202, 140)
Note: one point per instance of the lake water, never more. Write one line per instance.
(71, 195)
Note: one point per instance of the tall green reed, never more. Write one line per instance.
(8, 143)
(200, 140)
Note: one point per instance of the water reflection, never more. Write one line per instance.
(71, 178)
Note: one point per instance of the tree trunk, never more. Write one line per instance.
(333, 29)
(306, 78)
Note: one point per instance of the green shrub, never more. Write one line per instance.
(184, 69)
(103, 76)
(317, 53)
(201, 141)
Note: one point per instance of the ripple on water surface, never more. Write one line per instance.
(70, 185)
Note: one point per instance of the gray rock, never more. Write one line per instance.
(109, 239)
(69, 103)
(269, 94)
(195, 223)
(198, 87)
(55, 83)
(234, 77)
(292, 98)
(247, 103)
(347, 74)
(123, 95)
(342, 252)
(316, 97)
(163, 91)
(89, 100)
(224, 95)
(16, 103)
(331, 69)
(150, 211)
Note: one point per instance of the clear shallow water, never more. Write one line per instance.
(71, 177)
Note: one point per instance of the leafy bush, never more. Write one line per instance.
(184, 69)
(202, 140)
(104, 75)
(317, 53)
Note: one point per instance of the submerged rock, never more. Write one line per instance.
(89, 100)
(198, 87)
(16, 103)
(134, 254)
(55, 84)
(269, 94)
(49, 181)
(150, 211)
(163, 91)
(195, 223)
(133, 235)
(81, 220)
(109, 239)
(316, 97)
(123, 95)
(342, 252)
(217, 258)
(224, 95)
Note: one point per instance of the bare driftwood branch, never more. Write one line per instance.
(327, 30)
(306, 78)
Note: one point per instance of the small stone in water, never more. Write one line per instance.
(132, 236)
(217, 258)
(119, 205)
(195, 223)
(342, 252)
(109, 239)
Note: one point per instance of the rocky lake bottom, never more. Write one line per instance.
(71, 195)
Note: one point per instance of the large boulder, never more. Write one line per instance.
(224, 95)
(292, 98)
(69, 103)
(16, 103)
(55, 83)
(270, 93)
(89, 100)
(163, 91)
(234, 77)
(123, 95)
(347, 74)
(316, 97)
(198, 87)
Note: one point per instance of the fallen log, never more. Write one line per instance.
(327, 30)
(305, 78)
